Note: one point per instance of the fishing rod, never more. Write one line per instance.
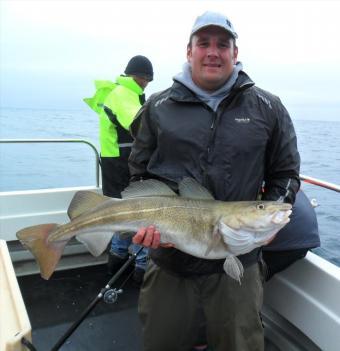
(108, 294)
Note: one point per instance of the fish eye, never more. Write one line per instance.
(260, 206)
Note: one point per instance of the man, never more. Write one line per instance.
(213, 125)
(293, 241)
(117, 104)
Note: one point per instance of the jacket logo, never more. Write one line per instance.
(243, 120)
(265, 100)
(160, 101)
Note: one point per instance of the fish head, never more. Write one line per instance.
(252, 224)
(259, 216)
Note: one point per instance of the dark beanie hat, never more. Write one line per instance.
(140, 66)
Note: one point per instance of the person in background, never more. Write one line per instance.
(117, 104)
(294, 240)
(214, 125)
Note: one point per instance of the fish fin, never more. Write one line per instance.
(233, 267)
(47, 253)
(95, 242)
(83, 201)
(190, 188)
(216, 240)
(239, 242)
(148, 187)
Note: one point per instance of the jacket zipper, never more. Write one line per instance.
(215, 118)
(213, 125)
(212, 128)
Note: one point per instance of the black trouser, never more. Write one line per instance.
(173, 309)
(115, 173)
(277, 261)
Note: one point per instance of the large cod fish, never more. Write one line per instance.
(193, 222)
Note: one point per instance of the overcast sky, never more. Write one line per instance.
(51, 51)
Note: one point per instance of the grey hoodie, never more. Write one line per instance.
(211, 99)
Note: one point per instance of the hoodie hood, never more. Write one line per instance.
(211, 99)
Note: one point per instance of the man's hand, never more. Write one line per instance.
(149, 237)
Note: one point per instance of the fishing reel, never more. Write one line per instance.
(111, 295)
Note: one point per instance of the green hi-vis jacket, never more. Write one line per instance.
(116, 104)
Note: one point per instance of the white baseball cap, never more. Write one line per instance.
(213, 19)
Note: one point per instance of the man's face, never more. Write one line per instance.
(142, 82)
(212, 56)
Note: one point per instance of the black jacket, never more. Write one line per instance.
(232, 152)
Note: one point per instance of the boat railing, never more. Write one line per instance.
(321, 183)
(82, 141)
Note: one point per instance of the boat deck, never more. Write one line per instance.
(55, 304)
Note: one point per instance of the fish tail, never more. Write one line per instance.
(233, 267)
(47, 253)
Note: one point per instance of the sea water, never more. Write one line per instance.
(45, 165)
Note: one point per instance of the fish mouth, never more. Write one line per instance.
(273, 221)
(281, 217)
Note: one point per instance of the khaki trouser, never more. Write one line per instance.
(170, 309)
